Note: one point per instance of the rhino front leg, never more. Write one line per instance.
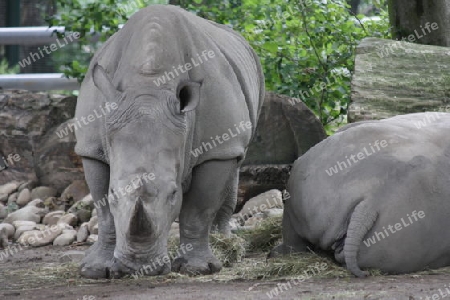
(99, 256)
(212, 184)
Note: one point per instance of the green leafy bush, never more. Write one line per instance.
(306, 47)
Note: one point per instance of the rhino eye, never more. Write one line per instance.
(172, 198)
(184, 99)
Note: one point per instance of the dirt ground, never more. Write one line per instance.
(37, 273)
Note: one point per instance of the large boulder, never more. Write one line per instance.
(58, 164)
(286, 129)
(28, 122)
(257, 179)
(393, 78)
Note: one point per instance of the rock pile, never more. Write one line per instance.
(39, 216)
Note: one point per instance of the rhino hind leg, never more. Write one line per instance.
(223, 216)
(99, 257)
(361, 221)
(292, 242)
(212, 183)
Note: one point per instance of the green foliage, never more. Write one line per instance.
(306, 47)
(5, 69)
(96, 21)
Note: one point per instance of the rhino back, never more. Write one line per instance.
(323, 203)
(158, 39)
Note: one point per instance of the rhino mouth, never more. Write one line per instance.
(122, 267)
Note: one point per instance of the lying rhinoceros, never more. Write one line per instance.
(377, 194)
(165, 114)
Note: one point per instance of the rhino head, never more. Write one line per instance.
(146, 137)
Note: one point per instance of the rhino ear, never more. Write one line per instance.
(188, 93)
(104, 83)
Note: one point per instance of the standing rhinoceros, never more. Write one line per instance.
(377, 194)
(173, 99)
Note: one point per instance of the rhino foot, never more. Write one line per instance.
(197, 265)
(278, 251)
(97, 262)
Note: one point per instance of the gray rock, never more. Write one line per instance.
(273, 213)
(9, 188)
(69, 219)
(27, 185)
(27, 213)
(3, 238)
(55, 204)
(83, 233)
(58, 165)
(27, 119)
(94, 212)
(76, 191)
(254, 220)
(92, 238)
(82, 209)
(36, 203)
(10, 229)
(3, 211)
(64, 239)
(24, 197)
(4, 197)
(92, 223)
(17, 224)
(234, 225)
(12, 207)
(286, 129)
(37, 238)
(378, 92)
(53, 217)
(260, 203)
(83, 215)
(13, 197)
(70, 230)
(71, 256)
(257, 179)
(22, 229)
(174, 229)
(43, 192)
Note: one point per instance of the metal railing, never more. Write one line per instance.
(41, 35)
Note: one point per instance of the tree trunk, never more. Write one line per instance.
(409, 20)
(354, 4)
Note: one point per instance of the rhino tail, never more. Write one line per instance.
(361, 221)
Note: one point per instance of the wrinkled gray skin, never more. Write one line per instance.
(154, 129)
(339, 212)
